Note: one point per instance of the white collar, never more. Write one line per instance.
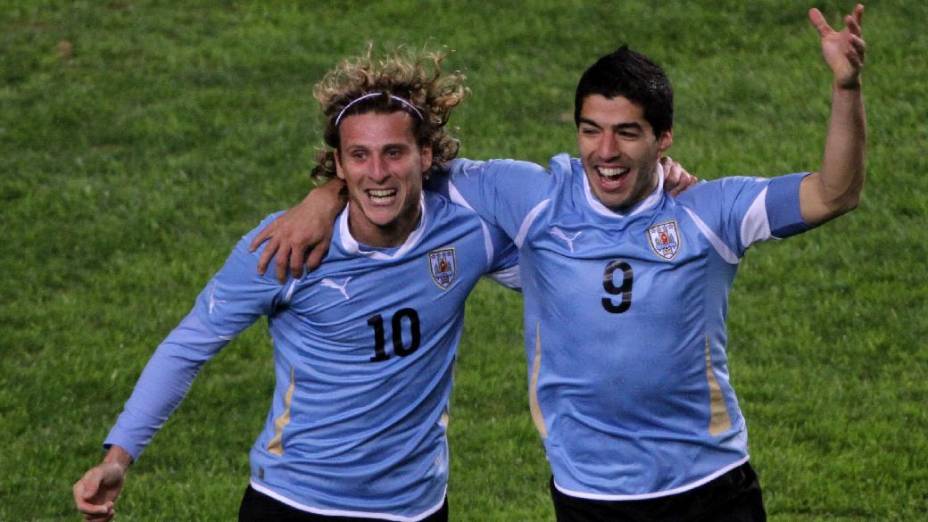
(351, 245)
(643, 205)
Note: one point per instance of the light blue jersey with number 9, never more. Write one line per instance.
(625, 319)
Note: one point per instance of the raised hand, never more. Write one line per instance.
(843, 51)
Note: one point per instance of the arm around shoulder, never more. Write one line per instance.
(502, 191)
(302, 235)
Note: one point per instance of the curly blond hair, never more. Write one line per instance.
(416, 76)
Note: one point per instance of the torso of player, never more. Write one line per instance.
(647, 282)
(364, 352)
(627, 316)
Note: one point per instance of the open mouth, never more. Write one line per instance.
(612, 173)
(381, 196)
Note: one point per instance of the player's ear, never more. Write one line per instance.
(664, 141)
(425, 157)
(338, 165)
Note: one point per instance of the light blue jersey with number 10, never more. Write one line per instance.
(625, 319)
(363, 355)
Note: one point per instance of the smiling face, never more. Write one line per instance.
(382, 165)
(619, 150)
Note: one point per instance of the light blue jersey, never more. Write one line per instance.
(625, 319)
(363, 355)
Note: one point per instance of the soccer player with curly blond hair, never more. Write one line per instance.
(364, 346)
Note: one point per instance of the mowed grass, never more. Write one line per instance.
(139, 140)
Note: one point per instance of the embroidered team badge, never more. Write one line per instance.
(442, 265)
(664, 239)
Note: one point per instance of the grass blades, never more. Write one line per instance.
(140, 139)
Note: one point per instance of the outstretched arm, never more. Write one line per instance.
(835, 189)
(234, 299)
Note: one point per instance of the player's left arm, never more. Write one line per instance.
(835, 189)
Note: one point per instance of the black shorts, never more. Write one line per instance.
(258, 507)
(732, 497)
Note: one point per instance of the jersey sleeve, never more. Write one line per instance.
(233, 299)
(783, 209)
(504, 266)
(501, 192)
(737, 212)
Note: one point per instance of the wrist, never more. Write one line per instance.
(850, 85)
(118, 456)
(331, 197)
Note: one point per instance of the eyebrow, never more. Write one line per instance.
(385, 146)
(618, 127)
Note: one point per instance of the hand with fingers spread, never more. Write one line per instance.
(836, 187)
(96, 492)
(301, 236)
(843, 51)
(676, 178)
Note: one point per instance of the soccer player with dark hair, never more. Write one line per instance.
(363, 347)
(626, 289)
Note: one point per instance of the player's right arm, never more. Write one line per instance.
(234, 298)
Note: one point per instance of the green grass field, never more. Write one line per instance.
(140, 139)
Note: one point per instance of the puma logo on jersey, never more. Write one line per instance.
(343, 288)
(560, 234)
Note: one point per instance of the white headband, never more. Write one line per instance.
(402, 101)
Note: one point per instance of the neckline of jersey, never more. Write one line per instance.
(352, 246)
(647, 203)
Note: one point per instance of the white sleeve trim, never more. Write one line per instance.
(488, 244)
(459, 200)
(509, 277)
(527, 222)
(716, 242)
(755, 226)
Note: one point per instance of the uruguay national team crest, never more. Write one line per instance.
(442, 265)
(665, 239)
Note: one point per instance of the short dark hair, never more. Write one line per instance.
(633, 75)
